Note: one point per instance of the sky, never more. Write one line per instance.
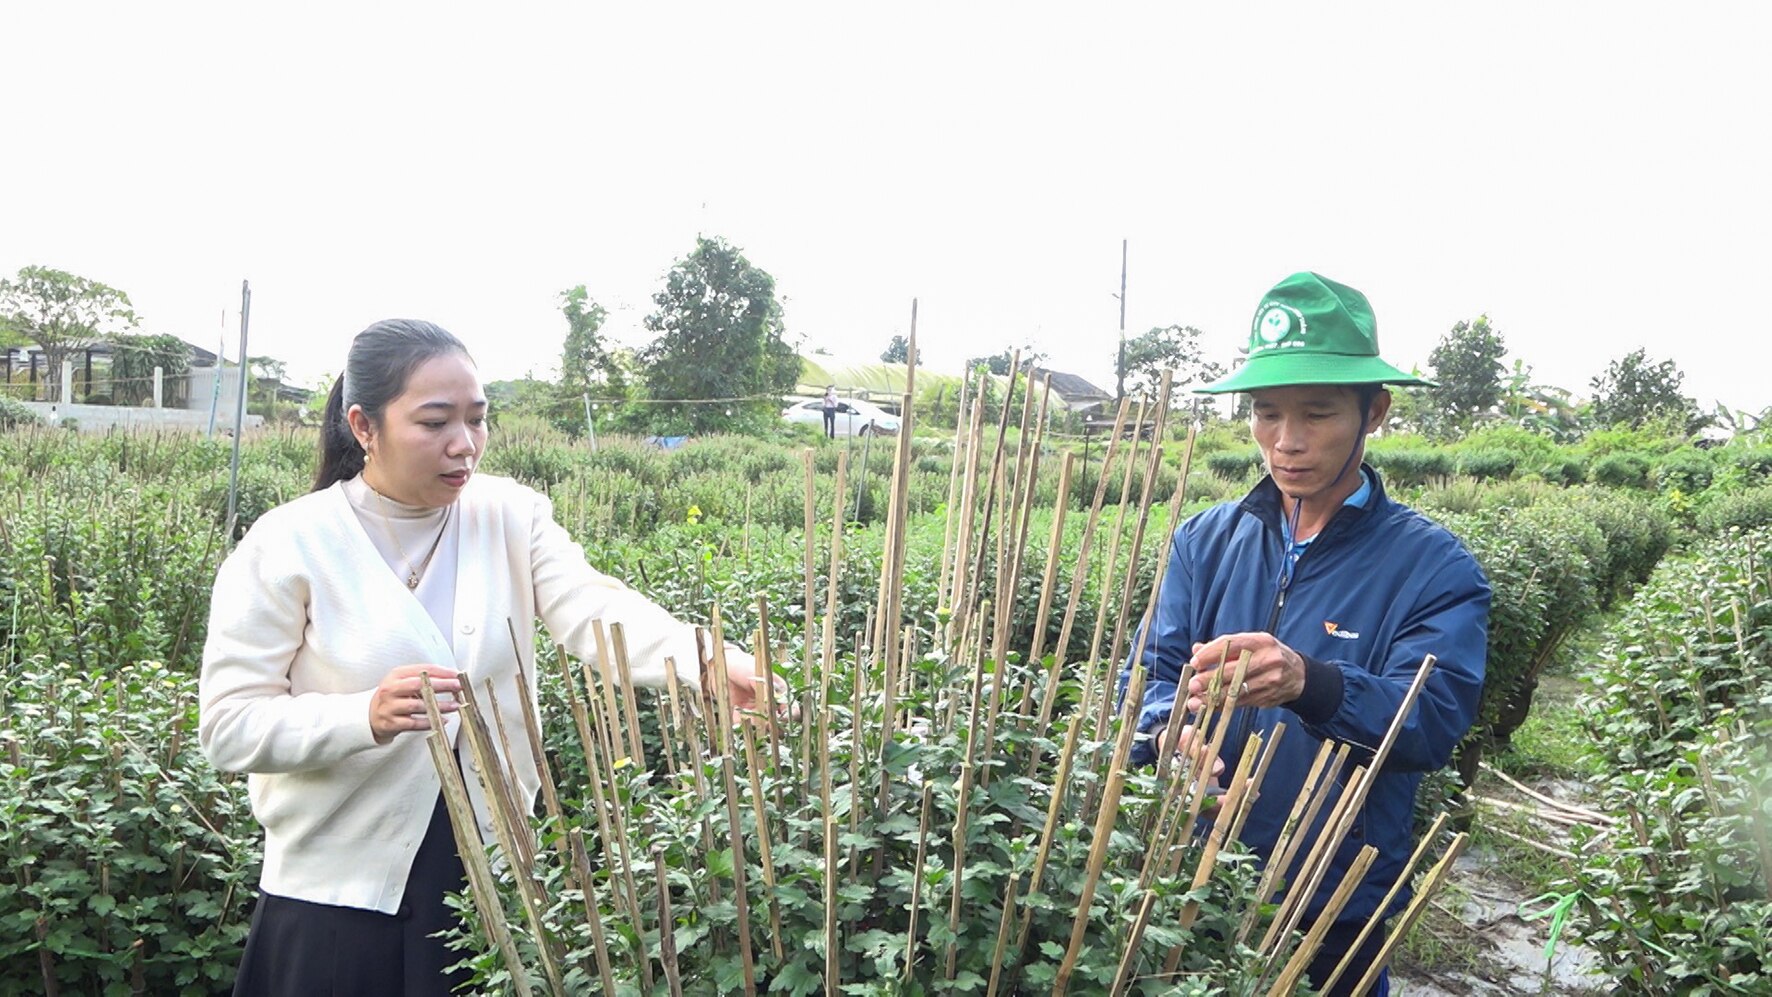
(1592, 176)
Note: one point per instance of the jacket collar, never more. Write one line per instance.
(1263, 502)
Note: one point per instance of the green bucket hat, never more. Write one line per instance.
(1311, 330)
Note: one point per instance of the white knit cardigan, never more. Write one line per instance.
(305, 621)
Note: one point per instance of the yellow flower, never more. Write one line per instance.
(694, 515)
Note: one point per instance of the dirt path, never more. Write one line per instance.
(1499, 952)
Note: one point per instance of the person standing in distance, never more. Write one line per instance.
(403, 561)
(830, 411)
(1336, 591)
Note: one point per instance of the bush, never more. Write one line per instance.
(1687, 469)
(1622, 470)
(1563, 469)
(1411, 467)
(1746, 510)
(1233, 465)
(1487, 464)
(14, 414)
(1753, 462)
(1677, 901)
(131, 861)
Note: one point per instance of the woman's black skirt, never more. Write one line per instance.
(301, 949)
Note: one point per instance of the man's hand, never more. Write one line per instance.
(1274, 677)
(399, 705)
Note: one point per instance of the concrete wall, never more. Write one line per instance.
(201, 386)
(98, 418)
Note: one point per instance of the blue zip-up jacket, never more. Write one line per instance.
(1380, 588)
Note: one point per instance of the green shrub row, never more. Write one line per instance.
(1678, 897)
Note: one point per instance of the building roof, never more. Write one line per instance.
(1072, 388)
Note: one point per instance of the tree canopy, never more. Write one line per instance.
(1467, 366)
(720, 337)
(1168, 347)
(998, 363)
(61, 312)
(898, 350)
(1635, 390)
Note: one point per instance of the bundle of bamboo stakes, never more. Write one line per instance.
(928, 810)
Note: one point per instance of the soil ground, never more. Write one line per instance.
(1477, 939)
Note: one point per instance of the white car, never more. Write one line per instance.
(854, 417)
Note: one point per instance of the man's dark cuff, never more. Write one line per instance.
(1322, 693)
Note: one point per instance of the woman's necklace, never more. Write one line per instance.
(412, 574)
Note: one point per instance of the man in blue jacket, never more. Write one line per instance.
(1337, 592)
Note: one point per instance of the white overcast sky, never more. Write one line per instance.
(1594, 176)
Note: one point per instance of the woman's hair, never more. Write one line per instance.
(382, 359)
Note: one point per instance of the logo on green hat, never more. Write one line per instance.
(1276, 323)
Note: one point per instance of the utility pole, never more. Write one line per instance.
(1120, 367)
(239, 408)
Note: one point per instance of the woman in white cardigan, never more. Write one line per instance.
(402, 561)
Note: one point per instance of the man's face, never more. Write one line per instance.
(1307, 432)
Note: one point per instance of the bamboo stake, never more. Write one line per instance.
(1248, 802)
(1307, 949)
(1112, 569)
(960, 453)
(1049, 578)
(808, 650)
(587, 741)
(961, 812)
(599, 681)
(1316, 863)
(550, 792)
(910, 932)
(833, 977)
(764, 846)
(697, 761)
(520, 850)
(1435, 877)
(1216, 838)
(512, 836)
(1003, 924)
(989, 506)
(667, 935)
(1146, 492)
(482, 883)
(625, 677)
(1305, 805)
(1104, 828)
(594, 916)
(1129, 959)
(740, 890)
(1403, 878)
(524, 837)
(961, 588)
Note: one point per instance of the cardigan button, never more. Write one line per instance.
(467, 628)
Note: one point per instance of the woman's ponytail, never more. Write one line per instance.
(341, 456)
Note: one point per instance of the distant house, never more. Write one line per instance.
(1072, 393)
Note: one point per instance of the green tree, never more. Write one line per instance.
(1467, 366)
(584, 360)
(1168, 347)
(61, 313)
(998, 363)
(898, 350)
(1634, 391)
(719, 336)
(133, 359)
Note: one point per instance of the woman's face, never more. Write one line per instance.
(430, 437)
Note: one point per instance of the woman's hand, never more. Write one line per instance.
(398, 705)
(746, 687)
